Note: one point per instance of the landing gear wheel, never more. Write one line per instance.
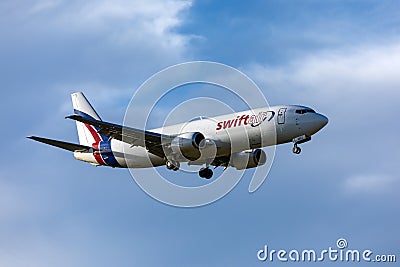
(299, 140)
(296, 149)
(172, 165)
(206, 173)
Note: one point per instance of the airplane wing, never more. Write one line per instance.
(64, 145)
(136, 137)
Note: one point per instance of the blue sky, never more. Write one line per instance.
(340, 57)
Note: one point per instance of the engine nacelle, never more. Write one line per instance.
(188, 145)
(248, 159)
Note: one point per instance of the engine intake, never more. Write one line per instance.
(248, 159)
(188, 145)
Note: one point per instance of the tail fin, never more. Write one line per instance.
(87, 134)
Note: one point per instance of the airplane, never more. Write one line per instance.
(232, 140)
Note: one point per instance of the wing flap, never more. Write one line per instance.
(136, 137)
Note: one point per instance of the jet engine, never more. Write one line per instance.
(188, 145)
(248, 159)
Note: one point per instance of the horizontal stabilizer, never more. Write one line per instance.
(61, 144)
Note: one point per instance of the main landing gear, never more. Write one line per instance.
(206, 173)
(172, 165)
(299, 140)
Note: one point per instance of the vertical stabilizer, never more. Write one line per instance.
(87, 134)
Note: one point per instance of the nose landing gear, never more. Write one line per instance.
(296, 149)
(299, 140)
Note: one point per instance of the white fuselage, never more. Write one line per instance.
(231, 133)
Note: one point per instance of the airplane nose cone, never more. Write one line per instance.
(322, 121)
(312, 122)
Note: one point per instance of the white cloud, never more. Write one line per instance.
(364, 71)
(44, 5)
(123, 19)
(370, 183)
(127, 25)
(104, 48)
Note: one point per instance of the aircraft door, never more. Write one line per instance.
(281, 115)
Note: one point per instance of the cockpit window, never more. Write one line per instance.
(304, 111)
